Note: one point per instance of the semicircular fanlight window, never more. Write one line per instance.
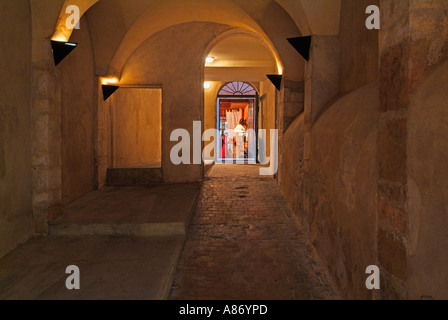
(237, 88)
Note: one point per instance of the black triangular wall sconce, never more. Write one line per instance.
(61, 50)
(276, 80)
(302, 45)
(108, 91)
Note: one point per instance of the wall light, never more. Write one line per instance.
(109, 80)
(61, 49)
(302, 45)
(59, 38)
(276, 80)
(207, 85)
(108, 90)
(279, 68)
(209, 59)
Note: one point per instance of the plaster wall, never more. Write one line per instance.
(358, 46)
(210, 97)
(267, 109)
(136, 126)
(180, 76)
(321, 75)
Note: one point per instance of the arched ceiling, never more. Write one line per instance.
(237, 49)
(119, 27)
(115, 40)
(240, 57)
(163, 14)
(319, 17)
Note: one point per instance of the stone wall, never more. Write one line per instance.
(46, 102)
(291, 171)
(328, 169)
(341, 187)
(427, 188)
(16, 218)
(293, 101)
(103, 141)
(413, 42)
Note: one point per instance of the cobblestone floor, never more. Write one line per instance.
(244, 244)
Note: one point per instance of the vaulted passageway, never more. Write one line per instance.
(359, 115)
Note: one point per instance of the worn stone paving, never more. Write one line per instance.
(243, 244)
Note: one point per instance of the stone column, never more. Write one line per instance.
(410, 45)
(45, 117)
(321, 75)
(290, 104)
(293, 101)
(46, 138)
(103, 148)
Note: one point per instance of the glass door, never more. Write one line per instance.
(236, 121)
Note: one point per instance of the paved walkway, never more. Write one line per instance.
(244, 244)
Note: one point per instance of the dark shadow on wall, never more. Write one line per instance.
(78, 118)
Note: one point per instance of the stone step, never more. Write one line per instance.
(134, 176)
(143, 211)
(125, 229)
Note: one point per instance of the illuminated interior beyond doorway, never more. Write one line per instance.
(236, 120)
